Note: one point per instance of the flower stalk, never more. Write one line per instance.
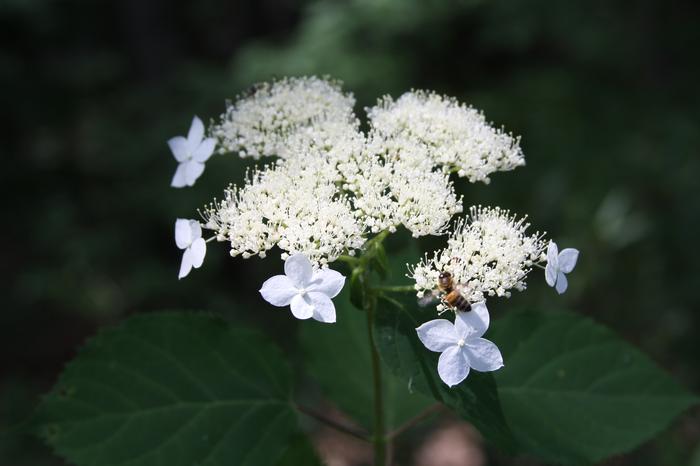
(366, 296)
(379, 438)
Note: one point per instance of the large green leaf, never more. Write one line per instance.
(173, 390)
(475, 399)
(300, 452)
(574, 392)
(338, 357)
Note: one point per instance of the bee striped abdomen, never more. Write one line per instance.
(455, 300)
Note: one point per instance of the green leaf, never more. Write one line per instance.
(357, 288)
(338, 357)
(378, 259)
(171, 389)
(300, 452)
(695, 460)
(572, 391)
(475, 399)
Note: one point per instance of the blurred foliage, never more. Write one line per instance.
(603, 93)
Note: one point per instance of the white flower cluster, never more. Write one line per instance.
(453, 135)
(293, 206)
(262, 123)
(488, 254)
(332, 184)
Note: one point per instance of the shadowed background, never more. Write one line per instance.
(603, 93)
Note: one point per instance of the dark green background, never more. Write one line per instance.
(604, 93)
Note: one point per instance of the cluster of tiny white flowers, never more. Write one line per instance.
(262, 123)
(332, 185)
(291, 206)
(455, 136)
(488, 254)
(387, 194)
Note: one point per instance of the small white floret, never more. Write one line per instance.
(461, 344)
(188, 236)
(308, 292)
(558, 265)
(191, 153)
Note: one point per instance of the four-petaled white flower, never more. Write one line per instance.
(461, 344)
(558, 264)
(306, 291)
(191, 153)
(188, 236)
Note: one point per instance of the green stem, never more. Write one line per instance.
(427, 412)
(379, 439)
(397, 289)
(381, 236)
(365, 297)
(350, 260)
(331, 423)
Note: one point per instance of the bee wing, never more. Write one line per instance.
(428, 299)
(463, 289)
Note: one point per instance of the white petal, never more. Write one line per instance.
(179, 178)
(278, 290)
(438, 335)
(328, 282)
(567, 259)
(196, 229)
(553, 254)
(186, 264)
(194, 137)
(324, 310)
(484, 355)
(550, 274)
(193, 170)
(179, 148)
(302, 307)
(473, 323)
(453, 367)
(298, 268)
(562, 283)
(183, 233)
(198, 250)
(204, 150)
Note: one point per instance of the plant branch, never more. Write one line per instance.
(350, 260)
(378, 438)
(354, 432)
(392, 301)
(397, 289)
(427, 412)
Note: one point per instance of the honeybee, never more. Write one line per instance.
(453, 297)
(448, 292)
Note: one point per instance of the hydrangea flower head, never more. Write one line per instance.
(333, 186)
(461, 344)
(307, 291)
